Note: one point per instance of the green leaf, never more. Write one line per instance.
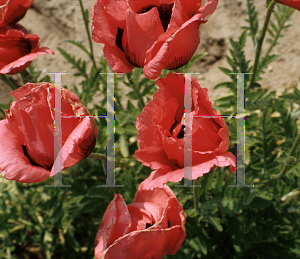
(243, 39)
(192, 61)
(124, 145)
(77, 64)
(132, 95)
(79, 45)
(216, 223)
(225, 70)
(147, 89)
(229, 85)
(252, 20)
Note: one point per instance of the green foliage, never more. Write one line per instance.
(235, 223)
(77, 64)
(281, 16)
(252, 21)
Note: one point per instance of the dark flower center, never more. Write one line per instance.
(181, 132)
(173, 126)
(148, 225)
(119, 38)
(24, 46)
(165, 13)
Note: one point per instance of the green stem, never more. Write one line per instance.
(119, 102)
(97, 156)
(140, 97)
(86, 23)
(261, 40)
(196, 194)
(135, 88)
(289, 160)
(8, 81)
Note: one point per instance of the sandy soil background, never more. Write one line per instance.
(58, 20)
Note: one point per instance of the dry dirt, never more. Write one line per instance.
(58, 20)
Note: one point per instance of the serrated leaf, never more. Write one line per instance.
(192, 61)
(225, 70)
(79, 45)
(147, 89)
(230, 62)
(243, 39)
(229, 85)
(77, 64)
(132, 95)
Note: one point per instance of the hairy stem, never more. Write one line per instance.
(261, 40)
(196, 194)
(135, 88)
(98, 156)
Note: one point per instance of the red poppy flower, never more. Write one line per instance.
(27, 135)
(150, 227)
(291, 3)
(161, 134)
(18, 49)
(154, 34)
(12, 11)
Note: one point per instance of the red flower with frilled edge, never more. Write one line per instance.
(291, 3)
(150, 227)
(18, 49)
(27, 135)
(161, 134)
(12, 11)
(153, 34)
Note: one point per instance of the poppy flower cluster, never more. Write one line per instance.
(17, 48)
(155, 35)
(125, 232)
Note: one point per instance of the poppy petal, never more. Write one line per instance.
(157, 219)
(140, 33)
(23, 62)
(291, 3)
(105, 29)
(176, 50)
(115, 223)
(14, 164)
(11, 11)
(160, 176)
